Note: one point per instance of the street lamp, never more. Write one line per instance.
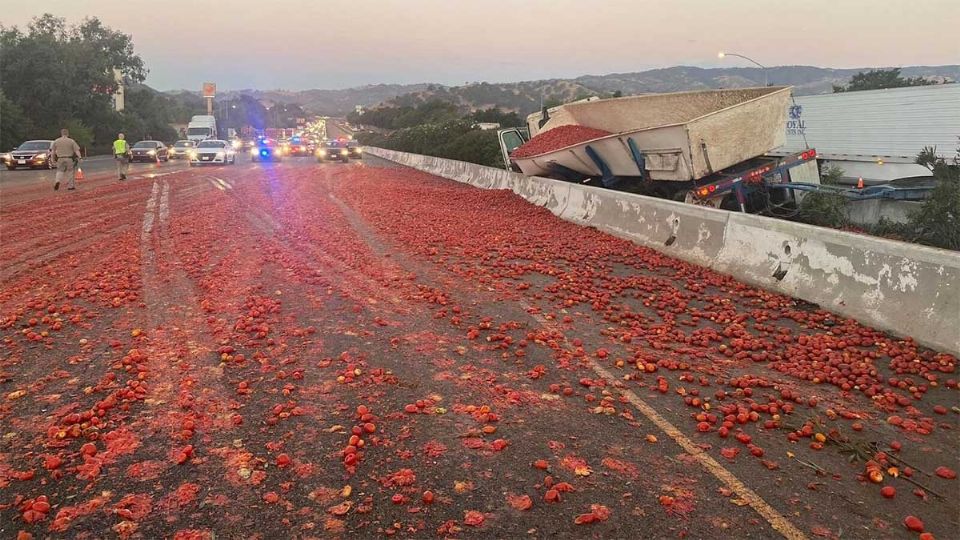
(722, 54)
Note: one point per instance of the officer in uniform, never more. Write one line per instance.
(66, 154)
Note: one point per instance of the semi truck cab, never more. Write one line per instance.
(201, 128)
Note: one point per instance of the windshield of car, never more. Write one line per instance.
(35, 145)
(211, 144)
(183, 144)
(145, 144)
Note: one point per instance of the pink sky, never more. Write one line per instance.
(330, 44)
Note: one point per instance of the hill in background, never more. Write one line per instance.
(525, 97)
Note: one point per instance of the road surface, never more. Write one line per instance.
(359, 350)
(21, 184)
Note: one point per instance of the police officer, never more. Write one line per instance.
(66, 154)
(121, 153)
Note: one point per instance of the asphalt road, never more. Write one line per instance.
(23, 184)
(335, 130)
(310, 350)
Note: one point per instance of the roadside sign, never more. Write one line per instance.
(209, 89)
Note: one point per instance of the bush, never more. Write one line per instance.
(475, 146)
(831, 175)
(824, 209)
(893, 230)
(937, 222)
(450, 140)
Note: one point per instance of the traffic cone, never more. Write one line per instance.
(860, 183)
(78, 174)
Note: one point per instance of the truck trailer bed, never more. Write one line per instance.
(668, 137)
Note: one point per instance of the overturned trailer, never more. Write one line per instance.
(701, 146)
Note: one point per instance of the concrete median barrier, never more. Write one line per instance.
(905, 289)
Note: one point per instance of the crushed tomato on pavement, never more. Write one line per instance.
(371, 351)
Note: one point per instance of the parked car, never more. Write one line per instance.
(213, 152)
(31, 155)
(182, 149)
(154, 151)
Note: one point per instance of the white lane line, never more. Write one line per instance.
(215, 184)
(149, 214)
(778, 521)
(165, 203)
(222, 182)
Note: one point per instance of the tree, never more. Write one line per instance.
(153, 111)
(15, 127)
(79, 132)
(495, 115)
(877, 79)
(54, 73)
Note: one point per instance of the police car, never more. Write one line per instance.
(266, 150)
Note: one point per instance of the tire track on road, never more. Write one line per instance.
(773, 517)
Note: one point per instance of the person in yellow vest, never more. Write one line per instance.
(121, 153)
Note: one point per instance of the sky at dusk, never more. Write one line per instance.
(337, 44)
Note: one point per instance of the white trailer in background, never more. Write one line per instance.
(876, 134)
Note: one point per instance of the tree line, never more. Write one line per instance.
(878, 79)
(436, 128)
(55, 75)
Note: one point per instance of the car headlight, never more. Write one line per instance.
(193, 155)
(6, 157)
(221, 155)
(343, 152)
(152, 153)
(253, 151)
(235, 144)
(321, 152)
(40, 156)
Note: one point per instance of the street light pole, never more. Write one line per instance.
(766, 82)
